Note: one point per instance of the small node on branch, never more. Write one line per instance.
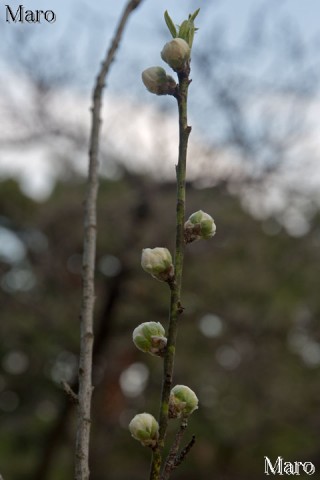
(180, 308)
(172, 283)
(73, 397)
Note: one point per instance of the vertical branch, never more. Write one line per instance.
(175, 303)
(88, 264)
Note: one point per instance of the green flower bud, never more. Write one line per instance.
(157, 81)
(199, 225)
(176, 53)
(150, 337)
(158, 262)
(182, 402)
(144, 428)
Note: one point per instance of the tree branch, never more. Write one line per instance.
(171, 460)
(175, 303)
(179, 459)
(88, 264)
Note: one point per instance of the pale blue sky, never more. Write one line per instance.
(234, 13)
(86, 27)
(142, 33)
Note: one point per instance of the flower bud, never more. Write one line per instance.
(150, 337)
(158, 262)
(182, 402)
(176, 53)
(144, 428)
(157, 81)
(199, 225)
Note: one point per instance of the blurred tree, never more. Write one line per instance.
(250, 343)
(254, 102)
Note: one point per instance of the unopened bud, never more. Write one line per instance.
(157, 81)
(150, 337)
(199, 225)
(182, 402)
(144, 428)
(158, 262)
(176, 53)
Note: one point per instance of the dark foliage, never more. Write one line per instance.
(249, 342)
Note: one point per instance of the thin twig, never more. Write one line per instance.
(175, 303)
(171, 460)
(88, 265)
(73, 397)
(184, 452)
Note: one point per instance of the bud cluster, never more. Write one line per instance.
(186, 30)
(199, 226)
(144, 428)
(150, 337)
(158, 262)
(182, 401)
(157, 81)
(175, 53)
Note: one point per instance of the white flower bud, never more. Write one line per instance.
(150, 337)
(182, 402)
(176, 53)
(157, 81)
(144, 428)
(158, 262)
(199, 225)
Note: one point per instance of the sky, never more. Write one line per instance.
(145, 32)
(72, 15)
(142, 43)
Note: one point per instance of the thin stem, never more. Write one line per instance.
(179, 459)
(171, 460)
(88, 264)
(175, 303)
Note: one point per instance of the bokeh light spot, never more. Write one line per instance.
(15, 362)
(210, 325)
(133, 380)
